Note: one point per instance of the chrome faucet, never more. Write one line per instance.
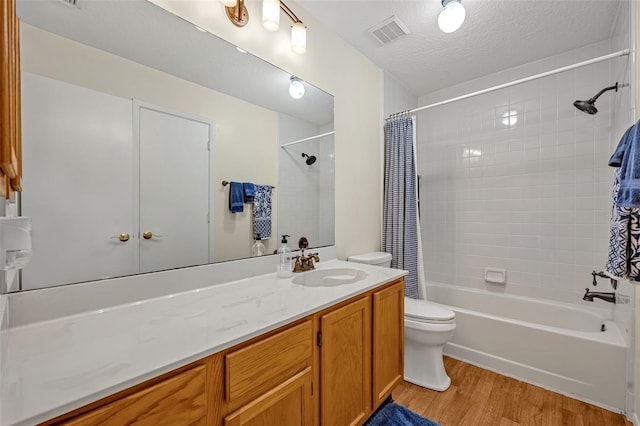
(607, 297)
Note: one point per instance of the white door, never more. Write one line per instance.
(174, 189)
(69, 133)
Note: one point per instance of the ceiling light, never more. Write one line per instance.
(296, 88)
(271, 14)
(229, 3)
(298, 38)
(452, 16)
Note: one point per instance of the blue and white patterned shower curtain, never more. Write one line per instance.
(400, 237)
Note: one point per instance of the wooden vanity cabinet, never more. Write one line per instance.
(345, 364)
(332, 368)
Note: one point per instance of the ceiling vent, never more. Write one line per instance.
(388, 30)
(74, 3)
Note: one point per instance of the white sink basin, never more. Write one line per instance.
(330, 277)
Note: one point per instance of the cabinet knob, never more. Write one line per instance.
(147, 235)
(122, 237)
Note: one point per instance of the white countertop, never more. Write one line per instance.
(52, 367)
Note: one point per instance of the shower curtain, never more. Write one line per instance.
(400, 236)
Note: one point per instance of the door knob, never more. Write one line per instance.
(147, 235)
(122, 237)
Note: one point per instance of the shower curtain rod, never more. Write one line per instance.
(307, 139)
(624, 52)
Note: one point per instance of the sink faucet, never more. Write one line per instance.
(305, 263)
(607, 297)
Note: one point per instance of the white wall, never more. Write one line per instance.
(337, 68)
(534, 197)
(62, 59)
(397, 97)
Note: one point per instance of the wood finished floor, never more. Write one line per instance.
(480, 397)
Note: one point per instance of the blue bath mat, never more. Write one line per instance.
(392, 414)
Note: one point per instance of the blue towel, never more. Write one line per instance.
(392, 414)
(627, 157)
(262, 212)
(236, 197)
(249, 191)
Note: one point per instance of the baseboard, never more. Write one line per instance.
(634, 419)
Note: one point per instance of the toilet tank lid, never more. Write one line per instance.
(372, 258)
(427, 311)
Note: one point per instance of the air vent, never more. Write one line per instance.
(388, 30)
(74, 3)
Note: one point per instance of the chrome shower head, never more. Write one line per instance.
(588, 106)
(310, 159)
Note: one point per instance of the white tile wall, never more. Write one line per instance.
(518, 178)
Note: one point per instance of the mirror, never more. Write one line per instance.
(133, 118)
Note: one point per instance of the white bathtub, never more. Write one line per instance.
(557, 346)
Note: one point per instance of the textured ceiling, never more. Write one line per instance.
(496, 35)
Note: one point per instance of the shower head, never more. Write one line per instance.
(310, 159)
(588, 106)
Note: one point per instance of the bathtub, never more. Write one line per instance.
(553, 345)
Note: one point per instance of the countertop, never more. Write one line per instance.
(52, 367)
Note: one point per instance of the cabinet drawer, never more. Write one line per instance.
(253, 370)
(179, 400)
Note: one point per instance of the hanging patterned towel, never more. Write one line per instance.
(624, 240)
(262, 211)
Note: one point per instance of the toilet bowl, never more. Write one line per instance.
(428, 326)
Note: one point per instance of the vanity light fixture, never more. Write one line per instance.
(239, 16)
(452, 16)
(296, 88)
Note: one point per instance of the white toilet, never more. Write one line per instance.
(427, 327)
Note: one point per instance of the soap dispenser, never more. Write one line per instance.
(285, 264)
(257, 249)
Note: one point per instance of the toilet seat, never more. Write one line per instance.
(427, 312)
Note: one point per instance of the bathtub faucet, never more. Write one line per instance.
(607, 297)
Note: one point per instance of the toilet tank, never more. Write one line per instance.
(374, 258)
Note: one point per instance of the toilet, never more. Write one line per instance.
(428, 326)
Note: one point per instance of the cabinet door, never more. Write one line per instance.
(179, 400)
(388, 341)
(345, 364)
(288, 404)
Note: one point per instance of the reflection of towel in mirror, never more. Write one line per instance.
(249, 191)
(627, 157)
(236, 197)
(262, 211)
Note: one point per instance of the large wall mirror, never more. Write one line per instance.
(132, 120)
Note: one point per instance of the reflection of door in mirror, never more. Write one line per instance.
(174, 190)
(69, 131)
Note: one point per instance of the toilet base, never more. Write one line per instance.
(423, 366)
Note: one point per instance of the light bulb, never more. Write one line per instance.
(271, 14)
(298, 38)
(451, 17)
(296, 88)
(229, 3)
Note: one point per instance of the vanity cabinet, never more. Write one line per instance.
(331, 368)
(345, 364)
(388, 341)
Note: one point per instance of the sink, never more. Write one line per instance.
(330, 277)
